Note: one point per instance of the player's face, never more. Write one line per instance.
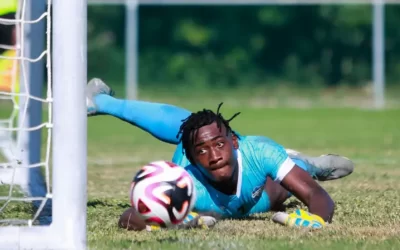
(214, 150)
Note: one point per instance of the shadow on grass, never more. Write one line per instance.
(108, 203)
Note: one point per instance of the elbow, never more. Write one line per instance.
(331, 209)
(320, 203)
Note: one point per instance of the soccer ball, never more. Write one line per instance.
(162, 193)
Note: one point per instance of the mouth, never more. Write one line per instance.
(218, 167)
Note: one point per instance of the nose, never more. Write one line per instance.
(214, 157)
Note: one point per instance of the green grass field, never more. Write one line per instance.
(367, 202)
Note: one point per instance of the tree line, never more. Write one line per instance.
(231, 45)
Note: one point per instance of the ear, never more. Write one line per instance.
(235, 141)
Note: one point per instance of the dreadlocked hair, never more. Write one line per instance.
(195, 121)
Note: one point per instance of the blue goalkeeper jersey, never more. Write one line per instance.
(258, 158)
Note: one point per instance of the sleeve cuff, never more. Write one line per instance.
(284, 169)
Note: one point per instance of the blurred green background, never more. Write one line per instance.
(317, 46)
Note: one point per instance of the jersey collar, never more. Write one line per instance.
(239, 181)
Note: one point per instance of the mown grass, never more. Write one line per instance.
(367, 202)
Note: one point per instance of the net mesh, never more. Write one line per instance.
(24, 185)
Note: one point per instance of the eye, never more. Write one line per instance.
(220, 144)
(201, 151)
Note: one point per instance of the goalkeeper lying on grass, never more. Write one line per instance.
(234, 175)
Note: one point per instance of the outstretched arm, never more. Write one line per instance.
(301, 185)
(130, 220)
(281, 168)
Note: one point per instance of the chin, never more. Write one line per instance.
(223, 174)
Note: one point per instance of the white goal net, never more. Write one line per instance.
(43, 125)
(20, 175)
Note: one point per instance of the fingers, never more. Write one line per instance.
(299, 218)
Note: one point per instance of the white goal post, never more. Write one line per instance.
(67, 124)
